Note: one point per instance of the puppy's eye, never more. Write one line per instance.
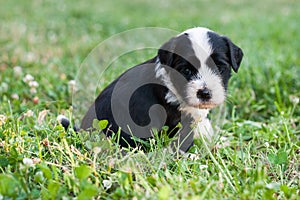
(186, 72)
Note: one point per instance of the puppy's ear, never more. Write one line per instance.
(166, 52)
(236, 55)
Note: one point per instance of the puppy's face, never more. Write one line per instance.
(196, 65)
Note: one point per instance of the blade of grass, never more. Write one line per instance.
(216, 162)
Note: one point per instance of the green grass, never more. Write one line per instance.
(50, 39)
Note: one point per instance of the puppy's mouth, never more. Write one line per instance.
(205, 105)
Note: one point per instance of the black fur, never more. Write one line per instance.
(140, 102)
(225, 55)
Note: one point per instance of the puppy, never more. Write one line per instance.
(188, 77)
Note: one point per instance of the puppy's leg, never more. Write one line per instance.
(184, 138)
(205, 128)
(87, 121)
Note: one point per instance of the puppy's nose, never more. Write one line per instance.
(204, 94)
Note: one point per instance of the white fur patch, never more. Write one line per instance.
(197, 114)
(200, 43)
(205, 128)
(201, 123)
(172, 96)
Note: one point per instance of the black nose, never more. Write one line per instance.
(204, 94)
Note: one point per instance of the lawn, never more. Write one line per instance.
(43, 46)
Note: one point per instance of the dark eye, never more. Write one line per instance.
(186, 72)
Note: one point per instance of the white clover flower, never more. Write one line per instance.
(203, 166)
(39, 176)
(19, 139)
(29, 113)
(36, 160)
(72, 85)
(96, 150)
(40, 173)
(3, 119)
(107, 184)
(33, 84)
(267, 144)
(17, 71)
(28, 78)
(14, 96)
(4, 87)
(294, 99)
(28, 162)
(33, 91)
(30, 57)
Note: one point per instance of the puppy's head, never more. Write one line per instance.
(204, 59)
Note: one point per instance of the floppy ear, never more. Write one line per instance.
(236, 55)
(165, 52)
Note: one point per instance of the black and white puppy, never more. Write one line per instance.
(187, 78)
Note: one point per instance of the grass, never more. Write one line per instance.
(50, 39)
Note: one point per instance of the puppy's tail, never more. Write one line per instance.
(65, 122)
